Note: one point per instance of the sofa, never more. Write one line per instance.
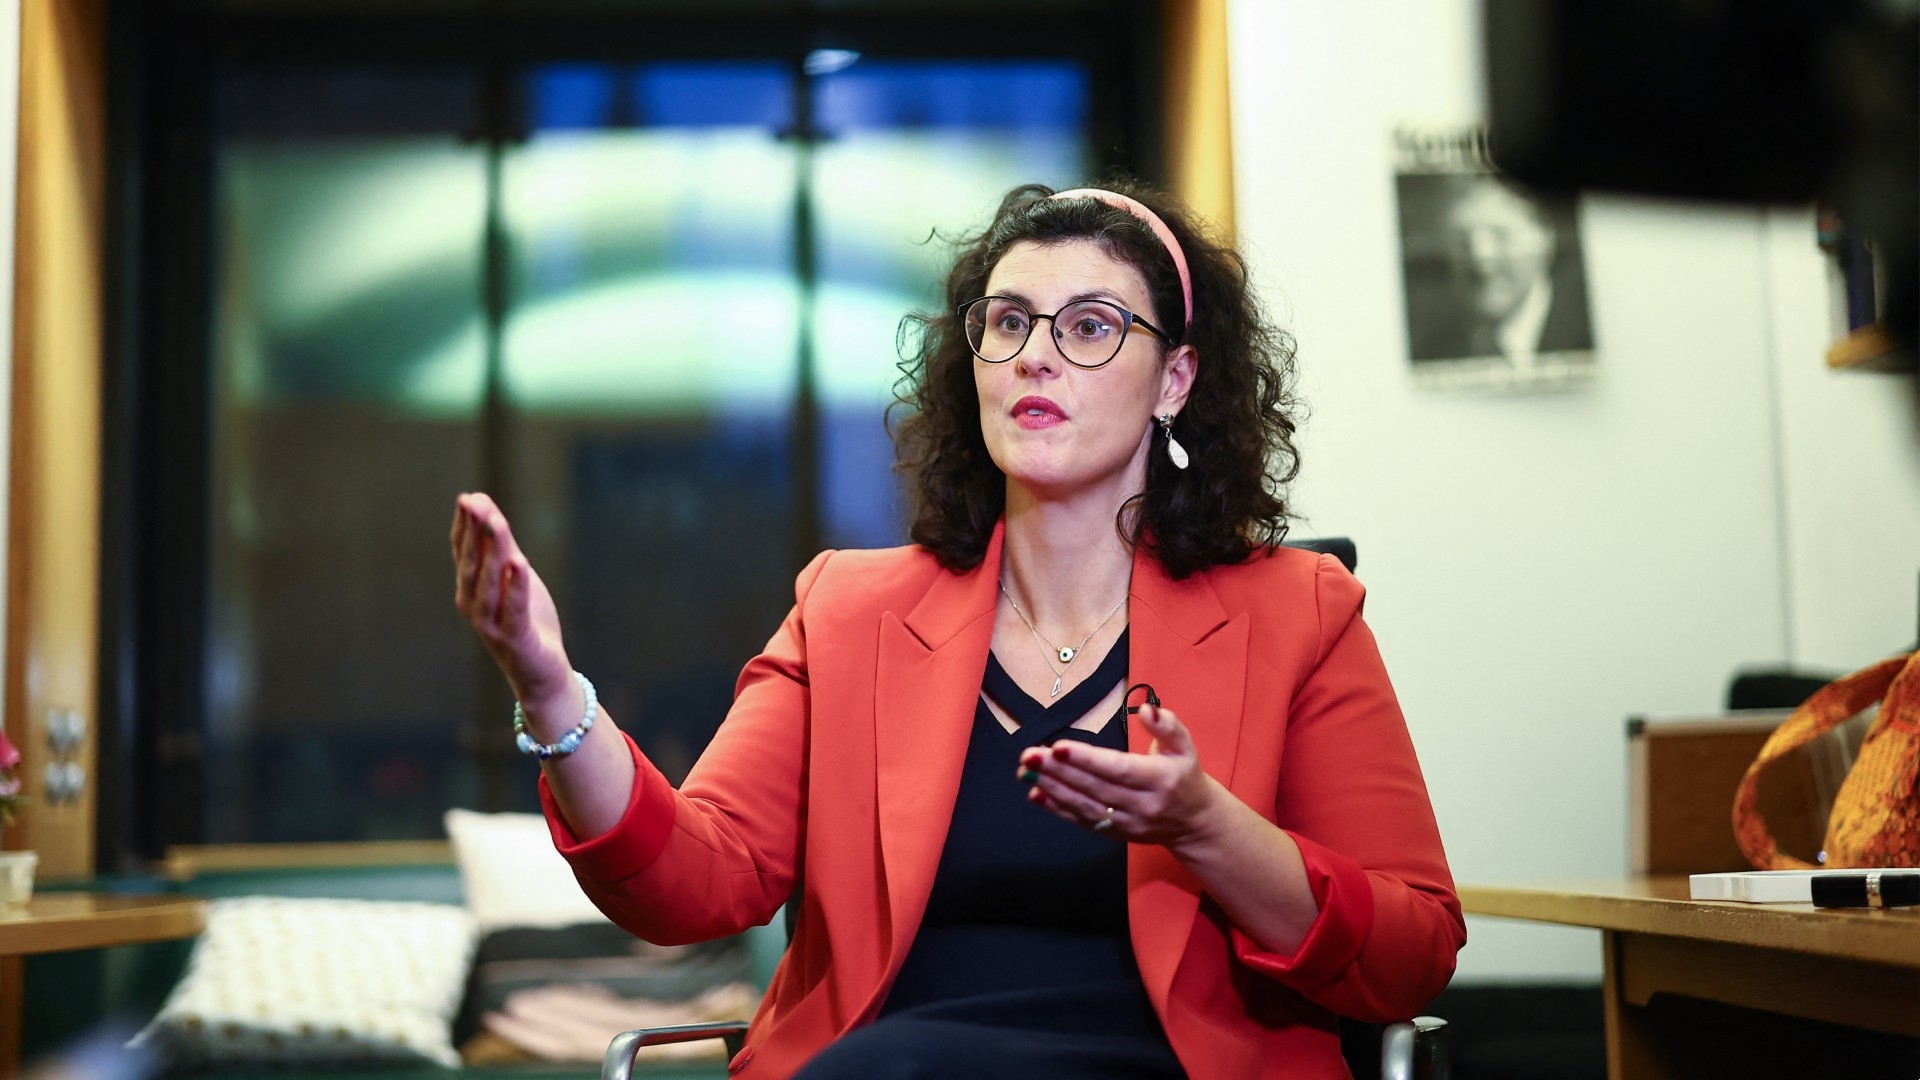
(72, 994)
(117, 990)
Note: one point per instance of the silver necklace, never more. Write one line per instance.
(1065, 654)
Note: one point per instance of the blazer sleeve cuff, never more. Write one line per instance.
(1345, 898)
(634, 842)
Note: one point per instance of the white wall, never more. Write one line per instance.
(1850, 450)
(1542, 566)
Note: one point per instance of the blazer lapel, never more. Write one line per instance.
(1195, 657)
(927, 679)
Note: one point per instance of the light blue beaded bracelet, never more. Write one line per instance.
(570, 741)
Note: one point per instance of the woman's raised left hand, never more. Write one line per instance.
(1160, 797)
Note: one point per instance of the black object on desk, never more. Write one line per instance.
(1867, 889)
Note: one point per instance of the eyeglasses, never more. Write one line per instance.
(1088, 333)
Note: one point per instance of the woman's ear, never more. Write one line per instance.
(1176, 379)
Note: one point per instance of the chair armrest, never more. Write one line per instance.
(618, 1064)
(1416, 1050)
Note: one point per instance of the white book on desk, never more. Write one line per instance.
(1764, 886)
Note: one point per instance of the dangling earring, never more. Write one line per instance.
(1175, 452)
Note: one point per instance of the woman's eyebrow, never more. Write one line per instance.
(1107, 295)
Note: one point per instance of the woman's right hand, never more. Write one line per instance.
(507, 604)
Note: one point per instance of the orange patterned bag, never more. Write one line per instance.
(1876, 816)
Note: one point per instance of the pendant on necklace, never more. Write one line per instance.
(1066, 655)
(1056, 686)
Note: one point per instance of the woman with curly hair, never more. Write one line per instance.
(1095, 779)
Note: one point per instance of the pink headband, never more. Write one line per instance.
(1139, 209)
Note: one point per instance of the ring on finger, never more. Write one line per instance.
(1105, 822)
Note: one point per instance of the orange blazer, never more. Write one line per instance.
(842, 755)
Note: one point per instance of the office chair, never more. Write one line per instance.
(1411, 1050)
(1337, 546)
(1774, 688)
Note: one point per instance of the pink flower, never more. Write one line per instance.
(9, 787)
(9, 757)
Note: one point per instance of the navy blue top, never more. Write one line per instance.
(1022, 965)
(1020, 894)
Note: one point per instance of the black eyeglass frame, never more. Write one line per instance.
(1128, 321)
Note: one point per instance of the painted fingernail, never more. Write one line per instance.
(1028, 776)
(1060, 750)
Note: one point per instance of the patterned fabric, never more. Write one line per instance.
(523, 976)
(1876, 816)
(280, 980)
(545, 948)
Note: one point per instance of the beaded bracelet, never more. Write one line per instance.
(570, 741)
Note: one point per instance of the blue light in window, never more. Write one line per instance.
(1033, 96)
(729, 94)
(571, 97)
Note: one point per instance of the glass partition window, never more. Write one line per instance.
(651, 370)
(346, 384)
(653, 307)
(912, 157)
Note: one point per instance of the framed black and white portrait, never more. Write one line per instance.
(1496, 287)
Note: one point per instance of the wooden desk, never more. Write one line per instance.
(57, 922)
(1860, 969)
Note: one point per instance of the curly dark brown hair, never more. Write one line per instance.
(1239, 420)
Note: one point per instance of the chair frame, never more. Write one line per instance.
(618, 1063)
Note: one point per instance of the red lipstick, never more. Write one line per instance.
(1034, 411)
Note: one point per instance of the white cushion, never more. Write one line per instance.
(282, 980)
(512, 874)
